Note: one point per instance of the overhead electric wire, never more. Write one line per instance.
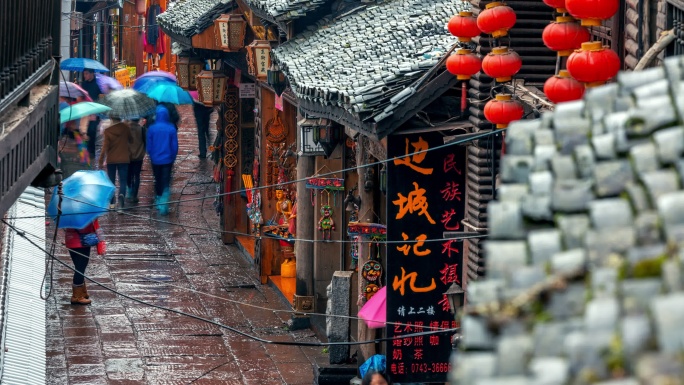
(232, 329)
(236, 302)
(470, 138)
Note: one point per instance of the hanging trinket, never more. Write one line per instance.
(326, 224)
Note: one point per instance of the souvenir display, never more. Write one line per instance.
(326, 224)
(371, 273)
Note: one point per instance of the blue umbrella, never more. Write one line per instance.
(79, 110)
(169, 93)
(85, 196)
(146, 83)
(81, 63)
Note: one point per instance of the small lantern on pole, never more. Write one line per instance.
(307, 127)
(456, 297)
(327, 136)
(230, 32)
(259, 58)
(211, 87)
(187, 69)
(276, 79)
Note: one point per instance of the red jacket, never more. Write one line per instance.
(72, 240)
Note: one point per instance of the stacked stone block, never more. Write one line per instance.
(584, 259)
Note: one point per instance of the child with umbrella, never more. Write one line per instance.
(79, 200)
(162, 146)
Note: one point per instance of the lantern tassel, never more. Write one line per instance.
(229, 183)
(464, 97)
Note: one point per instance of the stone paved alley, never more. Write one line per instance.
(118, 341)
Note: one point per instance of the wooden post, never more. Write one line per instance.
(304, 250)
(365, 215)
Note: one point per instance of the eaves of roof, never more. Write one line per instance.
(362, 70)
(282, 11)
(191, 17)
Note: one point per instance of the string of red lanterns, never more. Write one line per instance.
(589, 63)
(501, 63)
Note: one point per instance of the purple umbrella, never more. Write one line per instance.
(158, 73)
(107, 83)
(73, 90)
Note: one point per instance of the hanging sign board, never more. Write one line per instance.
(425, 197)
(247, 90)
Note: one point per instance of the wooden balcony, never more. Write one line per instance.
(29, 95)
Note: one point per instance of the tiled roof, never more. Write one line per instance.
(286, 10)
(190, 17)
(366, 62)
(586, 244)
(22, 314)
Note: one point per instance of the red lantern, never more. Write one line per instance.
(563, 88)
(564, 35)
(591, 12)
(558, 4)
(496, 19)
(594, 64)
(463, 64)
(502, 110)
(464, 26)
(501, 64)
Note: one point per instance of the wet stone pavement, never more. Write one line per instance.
(187, 268)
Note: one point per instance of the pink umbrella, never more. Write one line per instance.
(374, 312)
(73, 90)
(107, 83)
(159, 73)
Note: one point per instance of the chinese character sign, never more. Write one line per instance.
(424, 199)
(263, 61)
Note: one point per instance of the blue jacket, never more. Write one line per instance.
(162, 139)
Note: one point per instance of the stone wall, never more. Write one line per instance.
(584, 261)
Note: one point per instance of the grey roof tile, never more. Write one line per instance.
(366, 62)
(190, 17)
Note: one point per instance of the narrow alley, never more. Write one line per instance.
(176, 262)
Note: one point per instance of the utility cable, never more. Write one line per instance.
(232, 329)
(236, 302)
(348, 169)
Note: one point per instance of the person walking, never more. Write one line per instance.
(115, 149)
(72, 153)
(78, 243)
(202, 117)
(162, 146)
(137, 153)
(90, 85)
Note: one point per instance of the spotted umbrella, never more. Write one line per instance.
(129, 104)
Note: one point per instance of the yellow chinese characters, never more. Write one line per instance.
(400, 283)
(415, 202)
(420, 242)
(421, 147)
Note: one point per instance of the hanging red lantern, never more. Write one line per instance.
(464, 26)
(594, 64)
(501, 64)
(463, 64)
(563, 88)
(592, 12)
(564, 35)
(502, 110)
(496, 19)
(558, 4)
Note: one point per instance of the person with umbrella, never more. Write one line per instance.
(89, 84)
(115, 149)
(162, 146)
(75, 206)
(72, 147)
(137, 151)
(202, 118)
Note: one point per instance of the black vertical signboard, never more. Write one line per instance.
(425, 197)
